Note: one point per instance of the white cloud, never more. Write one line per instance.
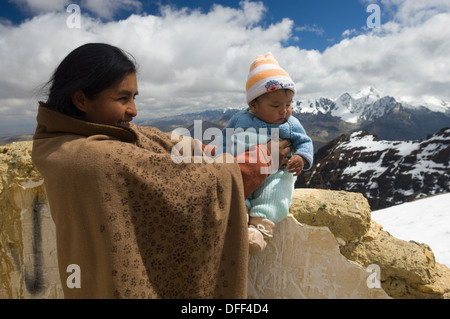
(311, 28)
(399, 61)
(192, 61)
(347, 33)
(415, 12)
(108, 8)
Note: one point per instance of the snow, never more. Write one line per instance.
(369, 93)
(425, 221)
(369, 144)
(423, 164)
(351, 108)
(432, 103)
(358, 168)
(423, 153)
(367, 104)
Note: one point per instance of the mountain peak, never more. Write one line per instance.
(360, 106)
(368, 92)
(368, 104)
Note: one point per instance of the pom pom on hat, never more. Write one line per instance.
(266, 75)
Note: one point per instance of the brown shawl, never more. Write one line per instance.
(137, 224)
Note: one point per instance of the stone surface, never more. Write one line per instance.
(28, 262)
(327, 247)
(304, 262)
(345, 214)
(407, 269)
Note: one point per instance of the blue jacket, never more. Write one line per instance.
(291, 129)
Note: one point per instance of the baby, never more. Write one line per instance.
(270, 91)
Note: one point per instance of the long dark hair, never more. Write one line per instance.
(91, 68)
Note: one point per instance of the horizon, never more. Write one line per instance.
(328, 47)
(431, 106)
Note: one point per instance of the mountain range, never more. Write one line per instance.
(324, 119)
(391, 151)
(368, 104)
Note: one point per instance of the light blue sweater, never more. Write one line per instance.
(273, 198)
(291, 129)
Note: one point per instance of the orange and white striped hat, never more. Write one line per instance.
(266, 75)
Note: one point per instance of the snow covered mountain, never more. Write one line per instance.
(366, 105)
(386, 172)
(325, 119)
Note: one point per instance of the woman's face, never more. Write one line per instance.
(114, 105)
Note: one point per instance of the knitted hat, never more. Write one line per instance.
(266, 75)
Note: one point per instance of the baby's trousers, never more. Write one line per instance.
(273, 198)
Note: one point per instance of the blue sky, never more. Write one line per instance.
(197, 58)
(318, 24)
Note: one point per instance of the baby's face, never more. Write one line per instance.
(273, 107)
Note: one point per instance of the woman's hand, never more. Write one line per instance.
(284, 148)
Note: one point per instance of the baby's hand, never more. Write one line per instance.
(295, 165)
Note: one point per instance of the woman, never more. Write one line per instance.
(137, 224)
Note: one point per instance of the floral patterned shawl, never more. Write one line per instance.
(136, 223)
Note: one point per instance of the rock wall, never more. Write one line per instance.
(407, 269)
(328, 247)
(28, 262)
(304, 262)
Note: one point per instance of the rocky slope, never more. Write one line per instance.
(386, 172)
(328, 247)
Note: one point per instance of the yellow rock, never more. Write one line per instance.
(28, 263)
(328, 247)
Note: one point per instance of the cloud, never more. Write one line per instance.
(311, 28)
(191, 60)
(406, 61)
(347, 33)
(414, 12)
(188, 60)
(108, 8)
